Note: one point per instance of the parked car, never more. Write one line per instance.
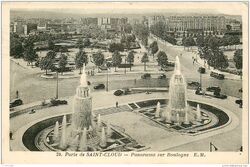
(118, 92)
(145, 76)
(214, 89)
(162, 76)
(16, 102)
(99, 86)
(56, 102)
(240, 90)
(193, 84)
(240, 102)
(220, 96)
(201, 70)
(217, 75)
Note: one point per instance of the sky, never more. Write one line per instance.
(230, 8)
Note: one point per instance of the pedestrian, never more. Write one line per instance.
(135, 81)
(193, 62)
(17, 94)
(116, 104)
(11, 135)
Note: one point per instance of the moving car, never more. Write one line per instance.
(162, 76)
(193, 84)
(16, 102)
(201, 70)
(214, 89)
(145, 76)
(99, 86)
(217, 75)
(118, 92)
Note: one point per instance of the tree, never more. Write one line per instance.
(98, 59)
(144, 60)
(79, 43)
(154, 47)
(16, 47)
(30, 55)
(51, 44)
(200, 40)
(188, 42)
(81, 58)
(217, 59)
(47, 62)
(238, 58)
(62, 63)
(116, 47)
(86, 42)
(142, 32)
(116, 59)
(127, 28)
(130, 58)
(162, 59)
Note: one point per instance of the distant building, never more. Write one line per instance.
(42, 26)
(205, 23)
(235, 25)
(111, 24)
(18, 27)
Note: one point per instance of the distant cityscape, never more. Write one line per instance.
(177, 25)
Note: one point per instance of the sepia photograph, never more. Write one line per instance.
(126, 79)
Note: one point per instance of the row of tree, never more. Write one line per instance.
(159, 29)
(142, 33)
(212, 41)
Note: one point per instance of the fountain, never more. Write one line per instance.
(157, 112)
(177, 93)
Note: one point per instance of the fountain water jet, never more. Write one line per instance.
(83, 142)
(177, 94)
(177, 119)
(157, 112)
(109, 133)
(56, 132)
(99, 123)
(198, 113)
(103, 142)
(186, 118)
(63, 136)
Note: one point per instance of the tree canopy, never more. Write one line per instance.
(116, 59)
(154, 47)
(47, 62)
(144, 60)
(62, 63)
(98, 59)
(238, 58)
(162, 59)
(81, 58)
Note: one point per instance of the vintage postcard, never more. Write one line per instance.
(125, 82)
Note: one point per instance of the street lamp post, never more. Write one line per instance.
(107, 80)
(125, 70)
(201, 80)
(56, 84)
